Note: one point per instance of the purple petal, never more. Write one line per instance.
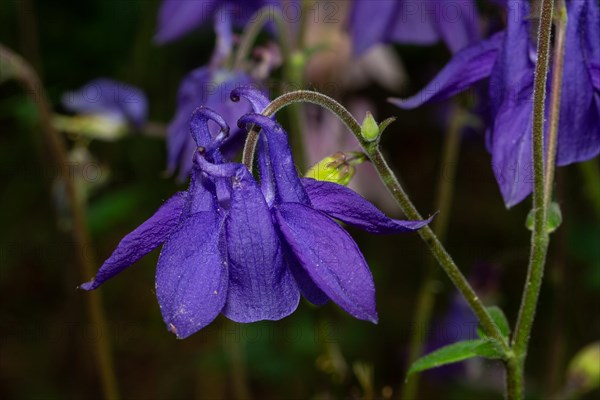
(364, 32)
(512, 147)
(202, 194)
(595, 75)
(106, 96)
(259, 102)
(289, 187)
(225, 39)
(348, 206)
(579, 123)
(591, 30)
(456, 22)
(202, 87)
(178, 17)
(145, 238)
(515, 56)
(267, 179)
(413, 23)
(308, 288)
(257, 99)
(330, 257)
(466, 67)
(178, 135)
(260, 285)
(510, 91)
(201, 133)
(191, 275)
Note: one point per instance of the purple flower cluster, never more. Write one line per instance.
(508, 59)
(413, 22)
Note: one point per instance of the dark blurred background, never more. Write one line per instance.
(47, 343)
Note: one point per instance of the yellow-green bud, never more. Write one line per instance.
(338, 168)
(583, 374)
(93, 126)
(369, 129)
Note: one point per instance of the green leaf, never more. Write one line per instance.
(384, 124)
(553, 221)
(455, 353)
(500, 319)
(114, 207)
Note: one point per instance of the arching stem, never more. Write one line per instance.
(389, 179)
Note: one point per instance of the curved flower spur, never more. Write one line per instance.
(246, 251)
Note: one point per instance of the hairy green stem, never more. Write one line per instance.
(540, 235)
(557, 77)
(23, 72)
(426, 296)
(391, 182)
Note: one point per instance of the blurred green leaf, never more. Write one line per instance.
(111, 208)
(455, 353)
(500, 319)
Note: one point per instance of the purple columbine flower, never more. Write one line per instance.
(246, 251)
(220, 253)
(112, 99)
(413, 22)
(177, 18)
(508, 59)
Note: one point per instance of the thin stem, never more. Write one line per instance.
(391, 182)
(559, 51)
(514, 379)
(438, 250)
(426, 296)
(250, 147)
(540, 236)
(28, 78)
(252, 30)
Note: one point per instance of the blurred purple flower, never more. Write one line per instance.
(209, 86)
(112, 99)
(413, 22)
(177, 18)
(247, 251)
(508, 59)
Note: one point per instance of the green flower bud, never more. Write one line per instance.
(369, 129)
(338, 168)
